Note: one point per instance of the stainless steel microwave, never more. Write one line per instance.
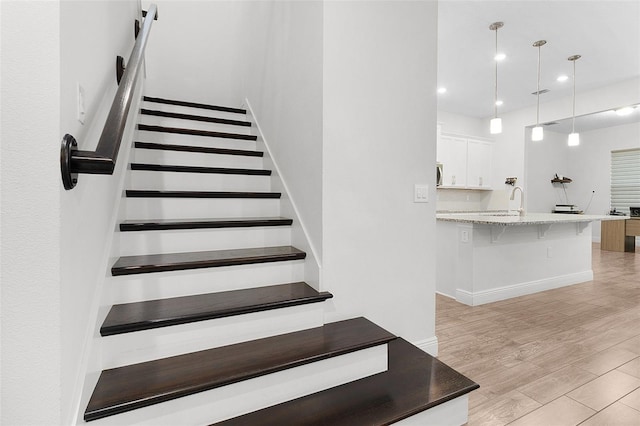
(439, 176)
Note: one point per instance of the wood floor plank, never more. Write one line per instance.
(576, 335)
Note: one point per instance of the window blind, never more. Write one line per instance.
(625, 179)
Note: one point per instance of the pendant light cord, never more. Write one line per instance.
(573, 121)
(538, 92)
(495, 97)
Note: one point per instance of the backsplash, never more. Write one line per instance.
(471, 200)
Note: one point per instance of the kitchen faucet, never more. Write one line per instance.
(513, 194)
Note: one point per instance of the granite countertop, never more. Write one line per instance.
(510, 219)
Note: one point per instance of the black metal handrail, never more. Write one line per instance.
(102, 161)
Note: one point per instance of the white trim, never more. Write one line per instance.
(263, 139)
(521, 289)
(429, 345)
(451, 413)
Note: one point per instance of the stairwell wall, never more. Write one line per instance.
(30, 227)
(92, 34)
(282, 80)
(379, 140)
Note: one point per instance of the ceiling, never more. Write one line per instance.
(605, 32)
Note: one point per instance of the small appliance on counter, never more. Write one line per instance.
(635, 212)
(567, 209)
(614, 212)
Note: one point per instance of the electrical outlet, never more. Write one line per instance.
(81, 111)
(420, 193)
(549, 252)
(464, 236)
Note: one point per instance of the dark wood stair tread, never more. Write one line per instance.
(195, 117)
(415, 382)
(196, 132)
(151, 193)
(130, 317)
(127, 265)
(126, 388)
(200, 149)
(199, 169)
(195, 105)
(169, 224)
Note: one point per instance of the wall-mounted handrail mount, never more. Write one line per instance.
(102, 161)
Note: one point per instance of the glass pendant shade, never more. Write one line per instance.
(495, 126)
(537, 134)
(574, 139)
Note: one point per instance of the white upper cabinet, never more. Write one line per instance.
(479, 155)
(450, 151)
(466, 162)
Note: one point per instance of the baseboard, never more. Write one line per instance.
(313, 265)
(521, 289)
(429, 345)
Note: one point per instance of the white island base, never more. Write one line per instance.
(483, 259)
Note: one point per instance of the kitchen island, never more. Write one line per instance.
(486, 257)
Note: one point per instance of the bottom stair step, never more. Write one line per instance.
(129, 317)
(415, 382)
(139, 385)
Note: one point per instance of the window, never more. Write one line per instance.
(625, 179)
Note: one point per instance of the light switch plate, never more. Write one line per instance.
(420, 193)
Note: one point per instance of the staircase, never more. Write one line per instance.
(210, 318)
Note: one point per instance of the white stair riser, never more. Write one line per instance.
(147, 345)
(450, 413)
(254, 394)
(152, 242)
(193, 111)
(194, 140)
(180, 181)
(136, 288)
(194, 208)
(181, 158)
(180, 123)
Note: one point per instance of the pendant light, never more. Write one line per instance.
(536, 132)
(574, 138)
(495, 126)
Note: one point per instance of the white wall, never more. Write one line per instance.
(544, 160)
(462, 124)
(282, 80)
(193, 53)
(588, 165)
(31, 209)
(89, 211)
(510, 146)
(379, 140)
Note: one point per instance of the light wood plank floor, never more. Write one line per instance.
(561, 357)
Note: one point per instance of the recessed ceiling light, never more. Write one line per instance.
(624, 111)
(498, 102)
(442, 90)
(562, 78)
(500, 57)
